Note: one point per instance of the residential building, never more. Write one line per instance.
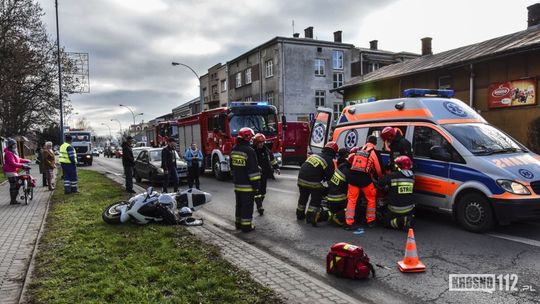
(187, 108)
(497, 77)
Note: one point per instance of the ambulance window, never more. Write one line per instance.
(377, 132)
(425, 138)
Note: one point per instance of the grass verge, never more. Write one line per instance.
(2, 177)
(83, 260)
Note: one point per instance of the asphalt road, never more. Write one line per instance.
(443, 246)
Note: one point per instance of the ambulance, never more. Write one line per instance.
(463, 165)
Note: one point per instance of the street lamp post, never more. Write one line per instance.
(110, 134)
(119, 123)
(201, 97)
(59, 75)
(132, 114)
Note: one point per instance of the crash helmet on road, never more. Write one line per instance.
(332, 145)
(388, 134)
(403, 162)
(185, 212)
(259, 138)
(246, 133)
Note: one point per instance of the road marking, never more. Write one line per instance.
(282, 176)
(281, 190)
(516, 239)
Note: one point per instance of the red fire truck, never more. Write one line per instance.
(214, 131)
(164, 130)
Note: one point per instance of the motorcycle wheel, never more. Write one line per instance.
(111, 215)
(25, 190)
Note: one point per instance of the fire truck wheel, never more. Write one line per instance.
(216, 169)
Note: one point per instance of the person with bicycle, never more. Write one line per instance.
(12, 164)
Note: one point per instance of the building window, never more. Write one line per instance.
(248, 76)
(338, 108)
(373, 66)
(269, 65)
(338, 80)
(238, 79)
(319, 67)
(319, 98)
(223, 85)
(269, 96)
(337, 60)
(248, 99)
(444, 82)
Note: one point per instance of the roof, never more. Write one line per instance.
(294, 40)
(508, 44)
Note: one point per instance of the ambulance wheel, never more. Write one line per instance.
(474, 213)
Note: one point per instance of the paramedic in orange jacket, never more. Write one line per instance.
(365, 167)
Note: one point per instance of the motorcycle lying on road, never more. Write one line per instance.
(163, 208)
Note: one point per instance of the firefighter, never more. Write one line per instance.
(365, 167)
(318, 168)
(68, 161)
(396, 144)
(268, 165)
(399, 185)
(337, 188)
(246, 179)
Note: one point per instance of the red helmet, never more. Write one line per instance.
(403, 162)
(354, 150)
(388, 133)
(258, 138)
(332, 145)
(246, 133)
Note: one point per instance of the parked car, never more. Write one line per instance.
(148, 166)
(95, 152)
(118, 153)
(137, 151)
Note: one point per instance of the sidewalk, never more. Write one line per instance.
(19, 228)
(290, 283)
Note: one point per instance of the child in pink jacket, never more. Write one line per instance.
(12, 164)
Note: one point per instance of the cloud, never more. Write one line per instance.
(131, 44)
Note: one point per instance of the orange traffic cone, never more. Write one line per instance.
(410, 262)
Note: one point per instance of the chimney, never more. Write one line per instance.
(337, 36)
(308, 32)
(373, 44)
(534, 15)
(296, 35)
(426, 46)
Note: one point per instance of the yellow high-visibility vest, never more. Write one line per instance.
(64, 157)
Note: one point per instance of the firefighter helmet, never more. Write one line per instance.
(246, 133)
(259, 138)
(388, 133)
(332, 145)
(403, 162)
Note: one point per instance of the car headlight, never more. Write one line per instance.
(513, 187)
(87, 156)
(160, 171)
(279, 158)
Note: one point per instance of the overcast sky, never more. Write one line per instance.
(131, 43)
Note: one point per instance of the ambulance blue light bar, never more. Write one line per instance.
(428, 93)
(248, 103)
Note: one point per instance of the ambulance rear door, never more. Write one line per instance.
(320, 130)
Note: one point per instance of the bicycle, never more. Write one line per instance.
(27, 183)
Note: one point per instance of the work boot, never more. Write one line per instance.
(260, 209)
(300, 214)
(312, 217)
(248, 228)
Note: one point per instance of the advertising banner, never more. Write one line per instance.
(512, 93)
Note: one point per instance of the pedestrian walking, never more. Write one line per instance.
(39, 161)
(399, 185)
(12, 164)
(315, 171)
(168, 164)
(246, 179)
(193, 158)
(68, 161)
(365, 167)
(128, 162)
(267, 164)
(49, 165)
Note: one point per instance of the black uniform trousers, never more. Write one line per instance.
(193, 176)
(259, 197)
(244, 209)
(316, 195)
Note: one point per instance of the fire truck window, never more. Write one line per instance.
(222, 121)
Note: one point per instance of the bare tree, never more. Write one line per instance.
(28, 73)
